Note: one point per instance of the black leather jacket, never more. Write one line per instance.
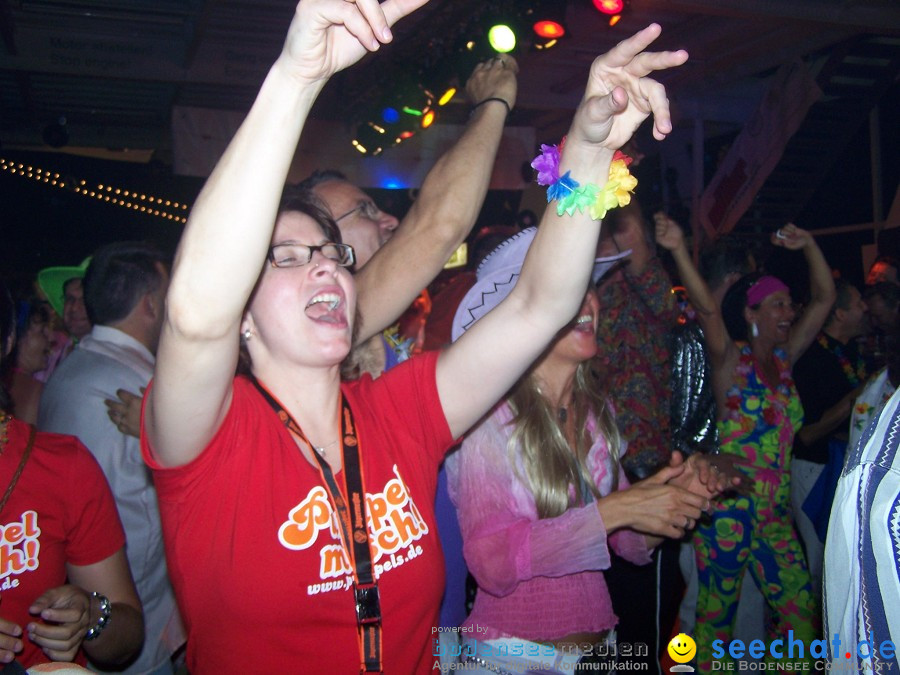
(693, 411)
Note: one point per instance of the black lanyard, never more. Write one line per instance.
(354, 533)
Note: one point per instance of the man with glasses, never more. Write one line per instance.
(417, 248)
(363, 225)
(437, 223)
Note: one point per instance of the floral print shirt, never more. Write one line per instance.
(868, 404)
(637, 313)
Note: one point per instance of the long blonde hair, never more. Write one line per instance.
(551, 468)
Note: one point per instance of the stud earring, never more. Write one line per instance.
(247, 334)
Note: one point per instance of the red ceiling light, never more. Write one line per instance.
(550, 30)
(609, 6)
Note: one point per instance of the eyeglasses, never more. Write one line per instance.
(367, 209)
(296, 255)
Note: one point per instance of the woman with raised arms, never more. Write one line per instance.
(297, 509)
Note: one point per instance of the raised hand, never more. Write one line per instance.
(668, 233)
(792, 237)
(328, 35)
(494, 78)
(619, 95)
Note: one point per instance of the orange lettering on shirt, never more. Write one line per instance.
(395, 491)
(29, 521)
(13, 534)
(408, 528)
(305, 520)
(386, 542)
(31, 553)
(19, 545)
(333, 562)
(12, 561)
(377, 507)
(394, 520)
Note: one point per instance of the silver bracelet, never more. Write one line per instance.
(105, 612)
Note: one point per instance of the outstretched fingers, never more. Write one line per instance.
(625, 51)
(630, 54)
(647, 63)
(622, 74)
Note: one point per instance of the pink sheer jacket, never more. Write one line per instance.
(539, 579)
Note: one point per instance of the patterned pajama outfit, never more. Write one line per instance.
(755, 529)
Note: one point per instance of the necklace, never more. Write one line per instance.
(4, 438)
(4, 435)
(854, 372)
(322, 448)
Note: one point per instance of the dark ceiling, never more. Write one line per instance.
(115, 68)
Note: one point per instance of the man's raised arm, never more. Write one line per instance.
(448, 204)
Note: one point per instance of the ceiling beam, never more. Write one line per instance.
(873, 15)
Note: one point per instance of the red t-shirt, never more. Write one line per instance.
(60, 511)
(254, 556)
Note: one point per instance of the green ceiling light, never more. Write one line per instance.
(502, 38)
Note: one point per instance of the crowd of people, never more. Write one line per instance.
(300, 481)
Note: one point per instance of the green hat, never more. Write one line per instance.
(52, 281)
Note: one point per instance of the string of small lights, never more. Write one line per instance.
(130, 199)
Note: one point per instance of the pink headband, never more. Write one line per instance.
(762, 288)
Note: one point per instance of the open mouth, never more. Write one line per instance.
(585, 323)
(327, 308)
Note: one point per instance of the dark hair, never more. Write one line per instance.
(615, 218)
(296, 199)
(299, 200)
(30, 312)
(727, 256)
(486, 240)
(843, 294)
(886, 290)
(318, 177)
(733, 305)
(118, 276)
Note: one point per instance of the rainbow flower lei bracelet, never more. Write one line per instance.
(571, 196)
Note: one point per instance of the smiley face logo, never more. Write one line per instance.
(682, 648)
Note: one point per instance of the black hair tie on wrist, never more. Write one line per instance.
(493, 98)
